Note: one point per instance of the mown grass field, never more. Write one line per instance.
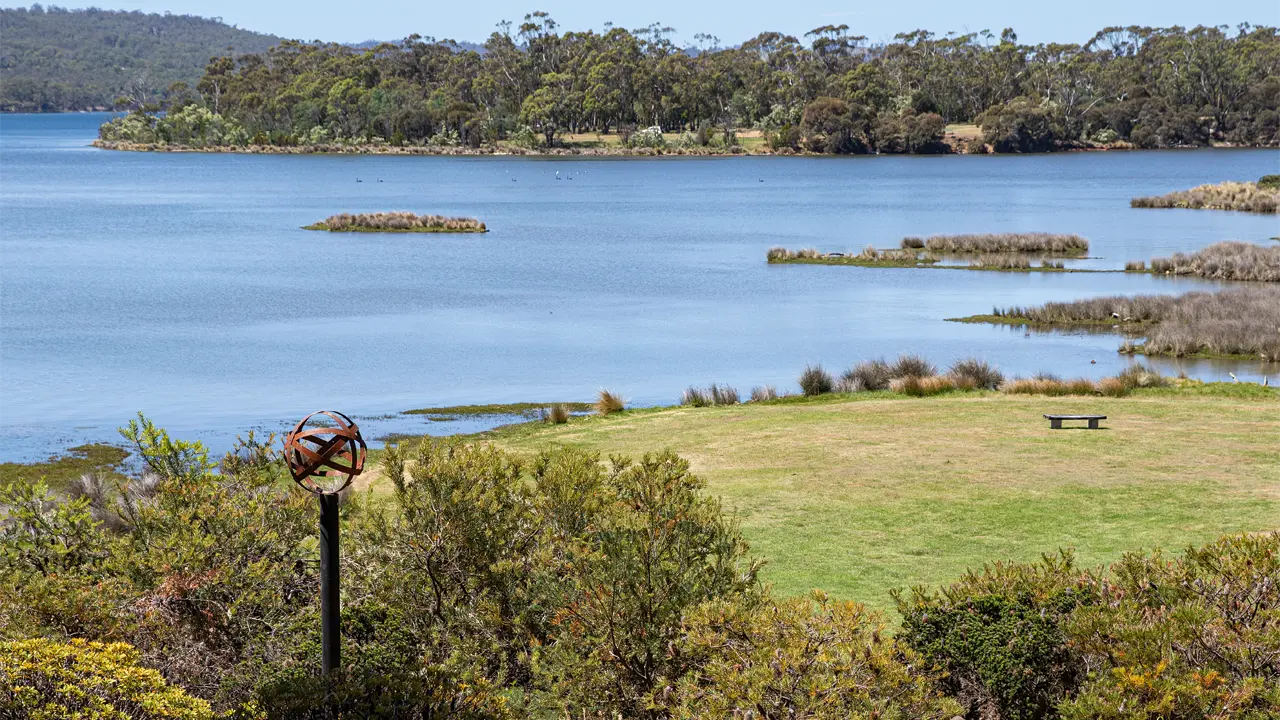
(861, 494)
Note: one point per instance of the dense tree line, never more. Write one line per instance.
(55, 60)
(831, 92)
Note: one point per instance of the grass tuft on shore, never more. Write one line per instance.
(397, 222)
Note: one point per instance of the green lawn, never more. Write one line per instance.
(858, 495)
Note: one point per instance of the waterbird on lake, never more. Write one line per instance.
(1233, 377)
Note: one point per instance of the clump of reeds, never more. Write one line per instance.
(1135, 266)
(867, 375)
(816, 381)
(1052, 264)
(912, 243)
(981, 374)
(397, 222)
(556, 414)
(912, 365)
(1037, 242)
(1138, 376)
(764, 393)
(714, 395)
(1001, 262)
(1244, 196)
(917, 386)
(1231, 260)
(781, 254)
(1052, 387)
(608, 402)
(1239, 321)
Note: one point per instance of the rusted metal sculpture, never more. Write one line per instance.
(324, 457)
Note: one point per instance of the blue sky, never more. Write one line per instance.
(1035, 21)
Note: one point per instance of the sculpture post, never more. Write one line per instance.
(323, 459)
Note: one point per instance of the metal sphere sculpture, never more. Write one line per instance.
(332, 451)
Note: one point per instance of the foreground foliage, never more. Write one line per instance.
(47, 680)
(492, 585)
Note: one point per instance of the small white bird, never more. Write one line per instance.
(1115, 315)
(1233, 377)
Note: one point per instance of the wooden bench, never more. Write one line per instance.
(1055, 421)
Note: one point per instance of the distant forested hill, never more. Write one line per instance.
(55, 59)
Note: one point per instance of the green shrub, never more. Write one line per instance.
(1269, 182)
(998, 635)
(1194, 636)
(811, 658)
(658, 549)
(47, 680)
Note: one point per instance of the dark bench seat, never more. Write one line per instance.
(1055, 421)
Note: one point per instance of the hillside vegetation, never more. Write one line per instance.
(56, 60)
(535, 86)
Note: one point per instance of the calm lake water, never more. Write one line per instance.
(181, 285)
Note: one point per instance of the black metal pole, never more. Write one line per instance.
(330, 611)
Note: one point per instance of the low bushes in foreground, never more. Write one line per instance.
(42, 678)
(1231, 260)
(1238, 322)
(397, 222)
(1152, 636)
(991, 243)
(496, 586)
(1245, 196)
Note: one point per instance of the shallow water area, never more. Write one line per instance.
(182, 285)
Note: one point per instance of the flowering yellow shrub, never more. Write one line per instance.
(48, 680)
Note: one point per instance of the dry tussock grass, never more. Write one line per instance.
(1244, 196)
(1038, 242)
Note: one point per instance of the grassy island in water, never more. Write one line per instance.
(397, 222)
(1262, 196)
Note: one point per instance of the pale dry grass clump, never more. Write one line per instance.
(1231, 260)
(556, 414)
(878, 374)
(764, 393)
(707, 397)
(397, 222)
(608, 402)
(1001, 262)
(916, 386)
(1036, 242)
(1135, 266)
(1244, 196)
(781, 254)
(1240, 321)
(1051, 387)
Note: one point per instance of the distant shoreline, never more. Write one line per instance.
(425, 150)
